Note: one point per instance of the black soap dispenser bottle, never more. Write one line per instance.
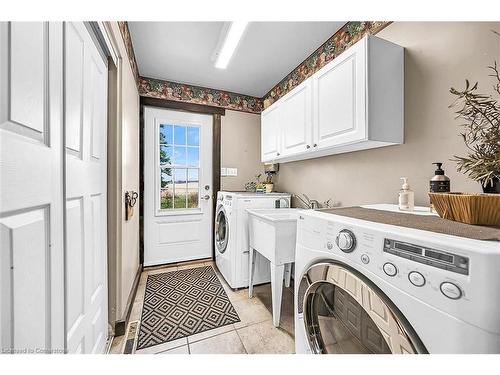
(440, 183)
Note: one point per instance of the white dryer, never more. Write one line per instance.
(367, 287)
(231, 235)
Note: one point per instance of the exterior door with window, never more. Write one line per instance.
(177, 186)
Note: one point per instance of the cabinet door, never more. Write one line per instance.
(296, 116)
(270, 128)
(339, 99)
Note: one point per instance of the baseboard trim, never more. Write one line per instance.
(121, 325)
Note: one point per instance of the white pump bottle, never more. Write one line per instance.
(406, 196)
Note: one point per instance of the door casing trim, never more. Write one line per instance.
(216, 152)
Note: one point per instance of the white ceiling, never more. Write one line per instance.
(183, 52)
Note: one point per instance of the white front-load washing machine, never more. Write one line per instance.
(231, 235)
(369, 287)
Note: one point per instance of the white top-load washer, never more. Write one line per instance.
(231, 235)
(363, 287)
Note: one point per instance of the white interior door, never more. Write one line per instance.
(31, 187)
(177, 186)
(86, 130)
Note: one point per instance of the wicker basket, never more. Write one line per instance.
(469, 208)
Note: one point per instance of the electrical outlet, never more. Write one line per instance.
(229, 172)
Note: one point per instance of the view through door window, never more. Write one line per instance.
(179, 153)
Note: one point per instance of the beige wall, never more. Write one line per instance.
(438, 56)
(128, 117)
(240, 148)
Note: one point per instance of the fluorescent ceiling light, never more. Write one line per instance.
(231, 42)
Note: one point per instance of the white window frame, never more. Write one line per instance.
(158, 167)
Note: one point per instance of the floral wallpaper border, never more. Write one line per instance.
(349, 34)
(199, 95)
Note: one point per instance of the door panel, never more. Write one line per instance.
(75, 267)
(74, 84)
(25, 235)
(339, 105)
(297, 120)
(28, 64)
(31, 230)
(270, 133)
(177, 186)
(86, 119)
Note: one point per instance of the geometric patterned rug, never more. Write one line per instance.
(181, 303)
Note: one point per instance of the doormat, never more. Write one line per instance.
(182, 303)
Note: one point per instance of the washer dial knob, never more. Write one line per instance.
(390, 269)
(346, 241)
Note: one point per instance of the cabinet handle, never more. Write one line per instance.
(277, 154)
(307, 146)
(315, 145)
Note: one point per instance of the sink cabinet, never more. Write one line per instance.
(355, 102)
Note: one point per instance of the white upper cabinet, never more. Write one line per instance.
(296, 120)
(355, 102)
(339, 105)
(270, 133)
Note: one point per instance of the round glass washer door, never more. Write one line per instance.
(221, 230)
(345, 313)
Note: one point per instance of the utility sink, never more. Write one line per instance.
(272, 233)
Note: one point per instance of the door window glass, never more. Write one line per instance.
(179, 156)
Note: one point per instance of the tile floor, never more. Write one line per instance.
(255, 332)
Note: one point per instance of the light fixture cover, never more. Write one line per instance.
(233, 37)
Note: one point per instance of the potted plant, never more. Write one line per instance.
(269, 182)
(480, 132)
(260, 188)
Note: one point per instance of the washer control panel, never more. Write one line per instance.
(432, 257)
(453, 275)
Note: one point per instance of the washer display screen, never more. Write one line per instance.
(439, 256)
(409, 248)
(432, 257)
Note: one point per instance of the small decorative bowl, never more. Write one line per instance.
(469, 208)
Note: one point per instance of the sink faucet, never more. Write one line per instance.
(306, 202)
